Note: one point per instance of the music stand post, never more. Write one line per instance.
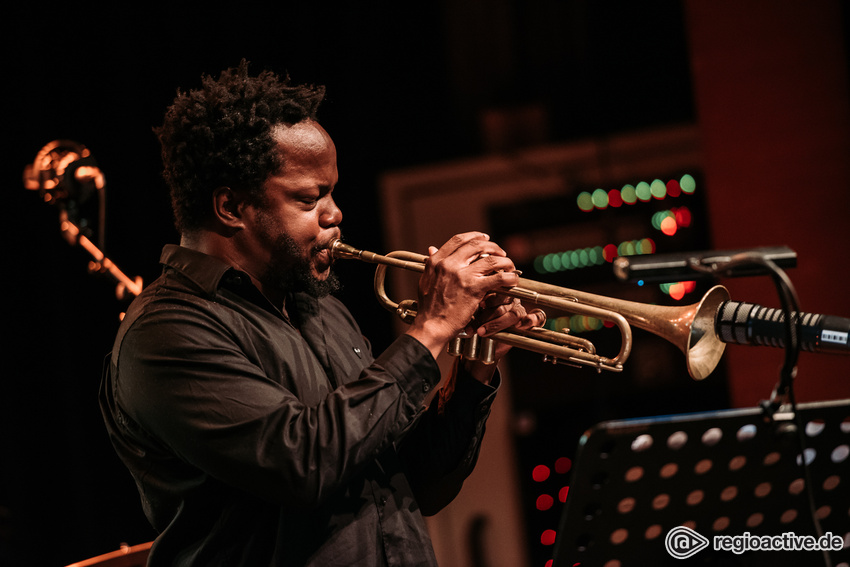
(728, 472)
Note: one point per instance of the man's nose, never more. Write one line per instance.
(332, 215)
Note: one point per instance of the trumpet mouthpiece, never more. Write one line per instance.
(340, 250)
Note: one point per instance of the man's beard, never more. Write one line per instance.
(291, 270)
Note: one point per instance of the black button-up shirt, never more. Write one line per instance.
(255, 441)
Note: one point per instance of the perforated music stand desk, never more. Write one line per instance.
(729, 472)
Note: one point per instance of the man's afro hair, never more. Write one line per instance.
(221, 135)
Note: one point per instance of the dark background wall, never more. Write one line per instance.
(771, 92)
(406, 86)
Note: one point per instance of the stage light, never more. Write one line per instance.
(540, 473)
(563, 465)
(577, 324)
(677, 290)
(673, 188)
(614, 198)
(583, 258)
(544, 502)
(562, 324)
(669, 226)
(585, 201)
(683, 216)
(558, 324)
(630, 194)
(540, 265)
(583, 324)
(600, 255)
(591, 256)
(600, 198)
(548, 537)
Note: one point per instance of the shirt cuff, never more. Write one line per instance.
(476, 395)
(413, 367)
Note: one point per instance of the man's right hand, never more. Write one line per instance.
(456, 279)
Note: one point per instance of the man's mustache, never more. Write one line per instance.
(326, 245)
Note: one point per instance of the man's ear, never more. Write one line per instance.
(227, 208)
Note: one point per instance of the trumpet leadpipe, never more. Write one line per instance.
(341, 251)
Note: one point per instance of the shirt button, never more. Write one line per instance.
(425, 387)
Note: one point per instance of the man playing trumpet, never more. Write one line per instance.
(241, 394)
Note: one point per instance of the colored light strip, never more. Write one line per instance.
(591, 256)
(629, 194)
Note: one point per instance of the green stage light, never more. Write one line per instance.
(688, 184)
(628, 194)
(600, 198)
(585, 201)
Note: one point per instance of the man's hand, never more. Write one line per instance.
(457, 278)
(500, 313)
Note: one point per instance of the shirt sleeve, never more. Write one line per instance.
(184, 386)
(442, 449)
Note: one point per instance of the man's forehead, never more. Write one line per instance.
(305, 135)
(306, 151)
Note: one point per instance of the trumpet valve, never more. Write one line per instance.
(455, 347)
(471, 347)
(406, 310)
(474, 347)
(487, 351)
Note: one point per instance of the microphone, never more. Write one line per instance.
(751, 324)
(691, 265)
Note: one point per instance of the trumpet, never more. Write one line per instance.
(690, 328)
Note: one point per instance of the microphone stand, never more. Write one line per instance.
(783, 392)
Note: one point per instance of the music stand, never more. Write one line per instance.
(728, 472)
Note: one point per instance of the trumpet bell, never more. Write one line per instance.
(704, 349)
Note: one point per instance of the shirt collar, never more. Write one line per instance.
(210, 273)
(204, 270)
